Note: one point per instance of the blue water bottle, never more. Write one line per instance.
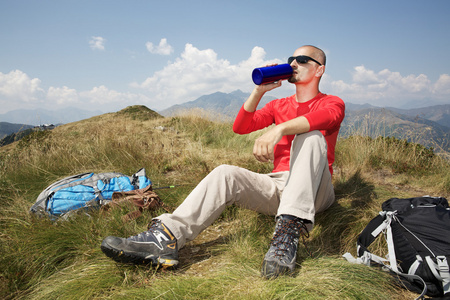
(271, 74)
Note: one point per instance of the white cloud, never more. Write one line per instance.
(388, 88)
(163, 48)
(19, 91)
(102, 96)
(18, 88)
(199, 72)
(97, 43)
(364, 76)
(442, 86)
(62, 95)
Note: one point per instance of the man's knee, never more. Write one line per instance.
(314, 136)
(223, 172)
(314, 139)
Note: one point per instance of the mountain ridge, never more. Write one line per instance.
(429, 126)
(7, 128)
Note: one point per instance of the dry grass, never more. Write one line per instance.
(41, 260)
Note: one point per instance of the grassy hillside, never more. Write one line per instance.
(44, 260)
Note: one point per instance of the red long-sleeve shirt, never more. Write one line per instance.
(323, 112)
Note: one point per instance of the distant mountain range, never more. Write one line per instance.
(374, 122)
(429, 126)
(38, 117)
(438, 113)
(221, 105)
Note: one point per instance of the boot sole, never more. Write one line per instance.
(130, 258)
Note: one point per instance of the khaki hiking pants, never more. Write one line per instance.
(302, 192)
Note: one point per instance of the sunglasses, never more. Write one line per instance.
(302, 59)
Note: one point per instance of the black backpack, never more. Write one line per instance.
(417, 232)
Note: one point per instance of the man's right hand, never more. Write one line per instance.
(263, 88)
(258, 92)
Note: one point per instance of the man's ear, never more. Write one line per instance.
(320, 71)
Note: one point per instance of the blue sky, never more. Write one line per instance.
(106, 55)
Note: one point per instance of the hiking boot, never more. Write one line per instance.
(157, 246)
(282, 254)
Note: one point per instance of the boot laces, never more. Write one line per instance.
(287, 234)
(143, 236)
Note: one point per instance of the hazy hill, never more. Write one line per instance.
(9, 128)
(374, 122)
(438, 113)
(221, 104)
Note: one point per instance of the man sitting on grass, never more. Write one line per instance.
(300, 145)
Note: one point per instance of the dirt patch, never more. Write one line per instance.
(203, 254)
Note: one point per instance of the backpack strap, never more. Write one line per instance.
(415, 265)
(144, 199)
(99, 199)
(440, 270)
(390, 240)
(365, 239)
